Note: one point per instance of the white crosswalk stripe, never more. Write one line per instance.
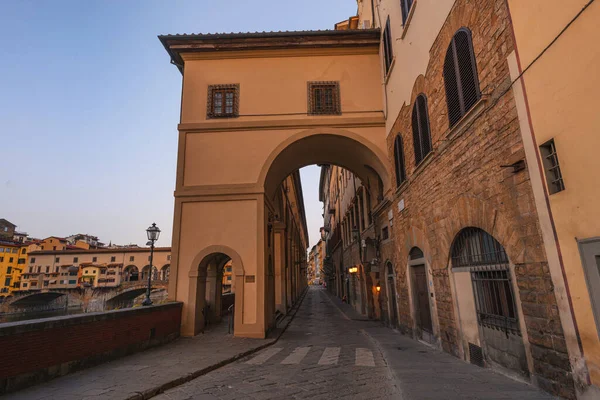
(364, 358)
(297, 355)
(330, 356)
(264, 356)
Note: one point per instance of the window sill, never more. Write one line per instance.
(408, 19)
(423, 164)
(401, 188)
(389, 72)
(464, 123)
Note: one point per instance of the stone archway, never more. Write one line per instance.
(341, 147)
(208, 260)
(131, 273)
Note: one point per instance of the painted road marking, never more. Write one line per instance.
(297, 355)
(264, 356)
(330, 356)
(364, 358)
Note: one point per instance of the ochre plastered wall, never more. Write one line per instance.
(411, 47)
(561, 90)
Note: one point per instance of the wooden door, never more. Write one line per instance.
(422, 299)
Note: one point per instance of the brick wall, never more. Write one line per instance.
(38, 350)
(461, 184)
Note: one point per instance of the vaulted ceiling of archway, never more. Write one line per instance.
(325, 149)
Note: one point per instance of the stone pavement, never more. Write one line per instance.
(142, 375)
(326, 354)
(322, 355)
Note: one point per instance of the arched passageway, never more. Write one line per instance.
(269, 229)
(131, 273)
(206, 290)
(146, 270)
(165, 272)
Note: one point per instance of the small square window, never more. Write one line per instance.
(57, 259)
(75, 259)
(131, 258)
(385, 233)
(223, 101)
(324, 98)
(554, 177)
(94, 259)
(113, 259)
(32, 260)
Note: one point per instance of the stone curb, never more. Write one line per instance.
(147, 394)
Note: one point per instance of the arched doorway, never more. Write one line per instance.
(487, 302)
(391, 291)
(205, 291)
(130, 273)
(420, 295)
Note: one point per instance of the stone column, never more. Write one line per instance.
(279, 267)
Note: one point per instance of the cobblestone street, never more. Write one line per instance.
(326, 355)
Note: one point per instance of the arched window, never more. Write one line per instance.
(415, 253)
(399, 160)
(420, 126)
(476, 247)
(460, 76)
(487, 262)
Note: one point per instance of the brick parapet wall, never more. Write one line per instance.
(461, 184)
(38, 350)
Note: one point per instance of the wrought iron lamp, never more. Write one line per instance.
(153, 234)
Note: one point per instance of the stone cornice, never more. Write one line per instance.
(288, 123)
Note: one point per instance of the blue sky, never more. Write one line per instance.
(89, 106)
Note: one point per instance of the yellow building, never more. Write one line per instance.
(557, 60)
(13, 257)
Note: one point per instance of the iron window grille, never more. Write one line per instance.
(490, 275)
(388, 54)
(554, 177)
(460, 76)
(324, 98)
(223, 101)
(399, 160)
(420, 127)
(406, 5)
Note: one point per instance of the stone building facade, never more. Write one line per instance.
(411, 108)
(462, 211)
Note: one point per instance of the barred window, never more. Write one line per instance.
(324, 98)
(223, 101)
(460, 76)
(399, 160)
(406, 6)
(490, 275)
(554, 177)
(388, 54)
(420, 127)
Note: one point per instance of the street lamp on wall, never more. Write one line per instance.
(378, 287)
(324, 233)
(153, 234)
(353, 270)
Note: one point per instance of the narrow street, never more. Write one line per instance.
(325, 355)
